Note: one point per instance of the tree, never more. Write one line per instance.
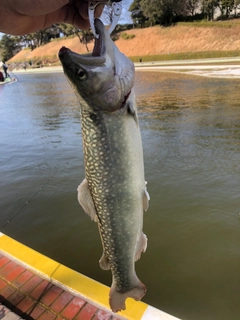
(226, 6)
(236, 6)
(8, 46)
(66, 29)
(163, 11)
(151, 9)
(137, 13)
(208, 8)
(192, 5)
(36, 39)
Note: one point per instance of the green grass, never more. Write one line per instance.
(53, 60)
(187, 55)
(126, 36)
(211, 24)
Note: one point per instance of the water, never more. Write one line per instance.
(191, 138)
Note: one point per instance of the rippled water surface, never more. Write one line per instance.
(191, 138)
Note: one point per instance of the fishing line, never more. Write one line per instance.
(26, 203)
(15, 77)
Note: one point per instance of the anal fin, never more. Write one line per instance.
(86, 201)
(145, 197)
(141, 246)
(104, 263)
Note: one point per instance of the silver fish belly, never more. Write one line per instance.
(114, 191)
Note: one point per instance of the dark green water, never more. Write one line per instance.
(191, 138)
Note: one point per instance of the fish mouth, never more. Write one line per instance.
(96, 58)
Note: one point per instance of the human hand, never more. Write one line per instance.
(19, 17)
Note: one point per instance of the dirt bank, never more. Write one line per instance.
(152, 41)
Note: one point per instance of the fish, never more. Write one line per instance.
(114, 192)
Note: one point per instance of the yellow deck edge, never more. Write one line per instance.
(84, 286)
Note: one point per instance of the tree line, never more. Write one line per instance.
(166, 12)
(10, 45)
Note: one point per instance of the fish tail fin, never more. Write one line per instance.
(117, 299)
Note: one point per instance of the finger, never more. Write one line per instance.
(82, 6)
(98, 10)
(72, 16)
(77, 14)
(38, 7)
(103, 1)
(81, 23)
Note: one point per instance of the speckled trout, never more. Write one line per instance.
(114, 191)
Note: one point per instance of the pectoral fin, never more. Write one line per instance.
(145, 197)
(86, 201)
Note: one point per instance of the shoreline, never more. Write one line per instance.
(215, 67)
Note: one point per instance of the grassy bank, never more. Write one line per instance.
(53, 60)
(186, 56)
(212, 24)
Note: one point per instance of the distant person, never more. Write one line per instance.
(1, 77)
(20, 17)
(5, 68)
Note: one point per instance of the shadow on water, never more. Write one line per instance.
(191, 138)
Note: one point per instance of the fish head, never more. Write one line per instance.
(103, 79)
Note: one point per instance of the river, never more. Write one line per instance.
(191, 138)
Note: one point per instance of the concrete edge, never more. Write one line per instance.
(91, 290)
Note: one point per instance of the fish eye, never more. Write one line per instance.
(81, 74)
